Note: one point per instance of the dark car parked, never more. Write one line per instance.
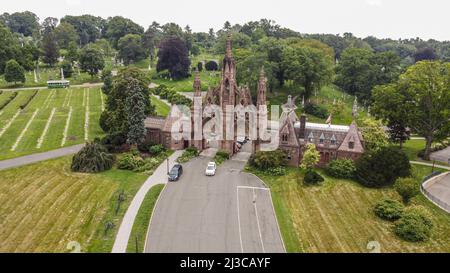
(176, 172)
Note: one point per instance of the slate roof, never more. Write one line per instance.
(154, 122)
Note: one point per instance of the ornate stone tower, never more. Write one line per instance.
(196, 114)
(262, 88)
(228, 93)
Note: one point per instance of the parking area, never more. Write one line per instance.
(229, 212)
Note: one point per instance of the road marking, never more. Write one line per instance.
(253, 188)
(239, 220)
(257, 221)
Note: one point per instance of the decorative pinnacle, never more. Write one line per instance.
(197, 82)
(228, 51)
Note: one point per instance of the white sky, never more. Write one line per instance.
(381, 18)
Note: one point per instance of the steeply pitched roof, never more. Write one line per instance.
(352, 136)
(154, 122)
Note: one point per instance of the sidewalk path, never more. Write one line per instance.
(158, 177)
(33, 158)
(430, 165)
(85, 85)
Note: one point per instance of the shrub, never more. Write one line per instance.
(156, 149)
(276, 171)
(147, 165)
(407, 188)
(200, 66)
(92, 158)
(389, 209)
(211, 66)
(264, 160)
(415, 225)
(312, 177)
(114, 142)
(341, 168)
(382, 167)
(130, 162)
(316, 110)
(157, 90)
(188, 154)
(221, 156)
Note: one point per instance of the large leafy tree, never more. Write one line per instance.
(310, 157)
(66, 34)
(151, 38)
(373, 134)
(118, 26)
(135, 108)
(88, 27)
(91, 60)
(9, 47)
(130, 48)
(307, 67)
(50, 48)
(423, 93)
(26, 23)
(14, 72)
(173, 56)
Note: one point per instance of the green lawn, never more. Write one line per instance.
(45, 206)
(46, 117)
(49, 74)
(337, 216)
(162, 109)
(208, 78)
(142, 221)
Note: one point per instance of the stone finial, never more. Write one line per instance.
(229, 47)
(197, 84)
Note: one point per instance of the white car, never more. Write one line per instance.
(210, 169)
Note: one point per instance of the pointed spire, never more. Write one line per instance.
(197, 84)
(261, 99)
(355, 108)
(229, 48)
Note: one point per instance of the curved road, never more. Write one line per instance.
(230, 212)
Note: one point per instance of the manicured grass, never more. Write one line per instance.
(49, 74)
(45, 101)
(45, 206)
(142, 221)
(162, 109)
(412, 147)
(208, 78)
(337, 216)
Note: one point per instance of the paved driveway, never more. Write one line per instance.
(230, 212)
(442, 155)
(440, 190)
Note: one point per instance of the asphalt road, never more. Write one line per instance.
(441, 190)
(230, 212)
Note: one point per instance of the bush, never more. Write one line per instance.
(148, 164)
(157, 90)
(415, 225)
(341, 168)
(407, 188)
(188, 154)
(114, 142)
(211, 66)
(276, 171)
(221, 156)
(263, 160)
(316, 110)
(156, 149)
(382, 167)
(92, 158)
(130, 162)
(312, 177)
(389, 209)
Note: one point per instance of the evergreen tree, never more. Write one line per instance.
(50, 48)
(135, 107)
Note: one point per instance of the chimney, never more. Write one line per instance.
(302, 126)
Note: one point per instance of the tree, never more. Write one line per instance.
(130, 48)
(49, 24)
(9, 47)
(107, 79)
(118, 26)
(374, 135)
(238, 39)
(387, 106)
(307, 67)
(67, 69)
(425, 54)
(310, 157)
(92, 158)
(422, 95)
(65, 34)
(151, 38)
(14, 72)
(88, 27)
(91, 60)
(135, 107)
(50, 49)
(211, 66)
(407, 188)
(382, 167)
(173, 56)
(73, 53)
(26, 23)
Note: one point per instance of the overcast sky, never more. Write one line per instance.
(381, 18)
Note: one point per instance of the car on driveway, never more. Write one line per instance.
(211, 169)
(176, 172)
